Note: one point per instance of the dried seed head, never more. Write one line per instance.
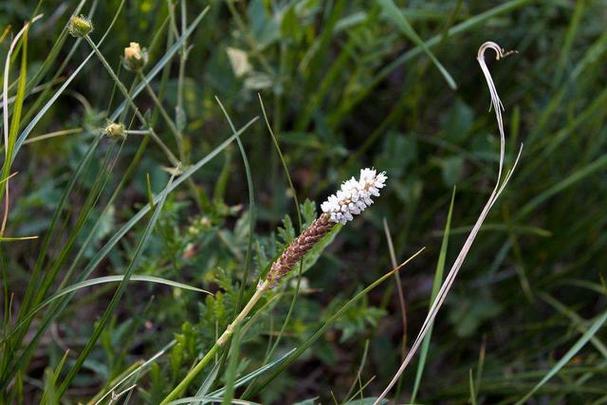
(115, 131)
(79, 26)
(354, 196)
(135, 57)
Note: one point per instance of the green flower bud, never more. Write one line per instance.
(79, 26)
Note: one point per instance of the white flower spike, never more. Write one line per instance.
(354, 196)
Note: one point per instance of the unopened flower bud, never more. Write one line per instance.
(134, 57)
(79, 26)
(115, 131)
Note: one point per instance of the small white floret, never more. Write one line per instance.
(354, 196)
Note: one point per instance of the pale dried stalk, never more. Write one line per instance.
(497, 190)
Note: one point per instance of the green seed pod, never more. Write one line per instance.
(79, 26)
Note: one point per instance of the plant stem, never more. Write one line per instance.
(223, 339)
(124, 91)
(178, 135)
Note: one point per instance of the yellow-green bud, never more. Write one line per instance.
(134, 57)
(115, 131)
(79, 26)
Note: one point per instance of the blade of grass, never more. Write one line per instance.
(330, 320)
(393, 13)
(93, 196)
(92, 341)
(230, 374)
(399, 287)
(563, 184)
(252, 210)
(464, 26)
(579, 344)
(42, 252)
(10, 133)
(39, 285)
(31, 288)
(580, 324)
(208, 382)
(137, 370)
(54, 134)
(299, 223)
(104, 251)
(254, 374)
(104, 280)
(361, 367)
(436, 284)
(195, 400)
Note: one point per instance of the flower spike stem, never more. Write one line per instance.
(352, 199)
(223, 339)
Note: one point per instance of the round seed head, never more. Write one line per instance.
(79, 26)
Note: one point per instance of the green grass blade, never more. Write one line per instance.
(136, 372)
(393, 14)
(42, 252)
(565, 183)
(208, 382)
(230, 374)
(197, 400)
(436, 284)
(580, 324)
(10, 130)
(117, 294)
(336, 315)
(299, 222)
(251, 194)
(254, 374)
(104, 280)
(460, 28)
(579, 344)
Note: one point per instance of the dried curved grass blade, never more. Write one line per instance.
(500, 184)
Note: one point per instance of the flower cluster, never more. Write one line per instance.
(354, 196)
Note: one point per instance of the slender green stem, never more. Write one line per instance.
(178, 135)
(124, 91)
(221, 342)
(183, 56)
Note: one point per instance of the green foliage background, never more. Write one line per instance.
(345, 86)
